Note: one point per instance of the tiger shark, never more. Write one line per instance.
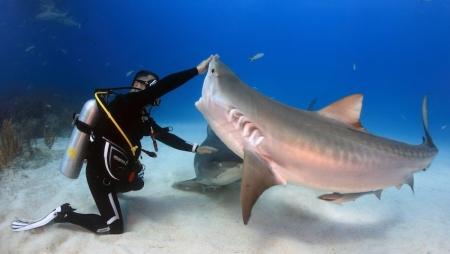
(326, 150)
(70, 22)
(215, 169)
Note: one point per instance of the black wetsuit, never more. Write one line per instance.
(129, 113)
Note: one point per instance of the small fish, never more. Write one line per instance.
(30, 48)
(339, 198)
(44, 63)
(29, 86)
(63, 50)
(49, 106)
(51, 15)
(354, 66)
(129, 73)
(79, 59)
(108, 64)
(257, 56)
(402, 116)
(53, 37)
(443, 127)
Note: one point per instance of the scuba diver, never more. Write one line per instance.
(113, 152)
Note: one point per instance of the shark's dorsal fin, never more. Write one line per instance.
(346, 110)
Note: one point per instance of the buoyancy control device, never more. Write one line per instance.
(84, 123)
(79, 140)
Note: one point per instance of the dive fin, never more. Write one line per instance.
(257, 176)
(19, 225)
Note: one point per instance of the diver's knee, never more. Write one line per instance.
(139, 185)
(136, 185)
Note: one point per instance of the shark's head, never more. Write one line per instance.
(210, 91)
(220, 168)
(218, 101)
(218, 172)
(211, 77)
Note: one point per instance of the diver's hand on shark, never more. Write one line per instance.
(203, 66)
(206, 150)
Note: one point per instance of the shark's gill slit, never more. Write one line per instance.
(255, 137)
(258, 141)
(246, 130)
(242, 122)
(233, 114)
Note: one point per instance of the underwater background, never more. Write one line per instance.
(54, 53)
(394, 52)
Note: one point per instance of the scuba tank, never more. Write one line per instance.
(79, 140)
(84, 123)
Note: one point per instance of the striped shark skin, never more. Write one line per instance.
(326, 150)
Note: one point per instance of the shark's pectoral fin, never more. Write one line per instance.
(256, 178)
(188, 185)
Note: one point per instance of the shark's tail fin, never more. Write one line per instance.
(84, 21)
(428, 138)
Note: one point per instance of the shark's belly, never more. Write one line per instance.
(345, 165)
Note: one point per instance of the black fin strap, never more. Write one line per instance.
(83, 127)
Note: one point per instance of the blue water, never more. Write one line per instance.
(401, 50)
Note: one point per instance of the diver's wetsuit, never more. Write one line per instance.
(165, 136)
(128, 111)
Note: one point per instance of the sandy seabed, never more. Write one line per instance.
(286, 219)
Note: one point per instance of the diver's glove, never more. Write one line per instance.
(206, 150)
(139, 169)
(141, 173)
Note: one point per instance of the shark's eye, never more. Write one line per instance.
(212, 71)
